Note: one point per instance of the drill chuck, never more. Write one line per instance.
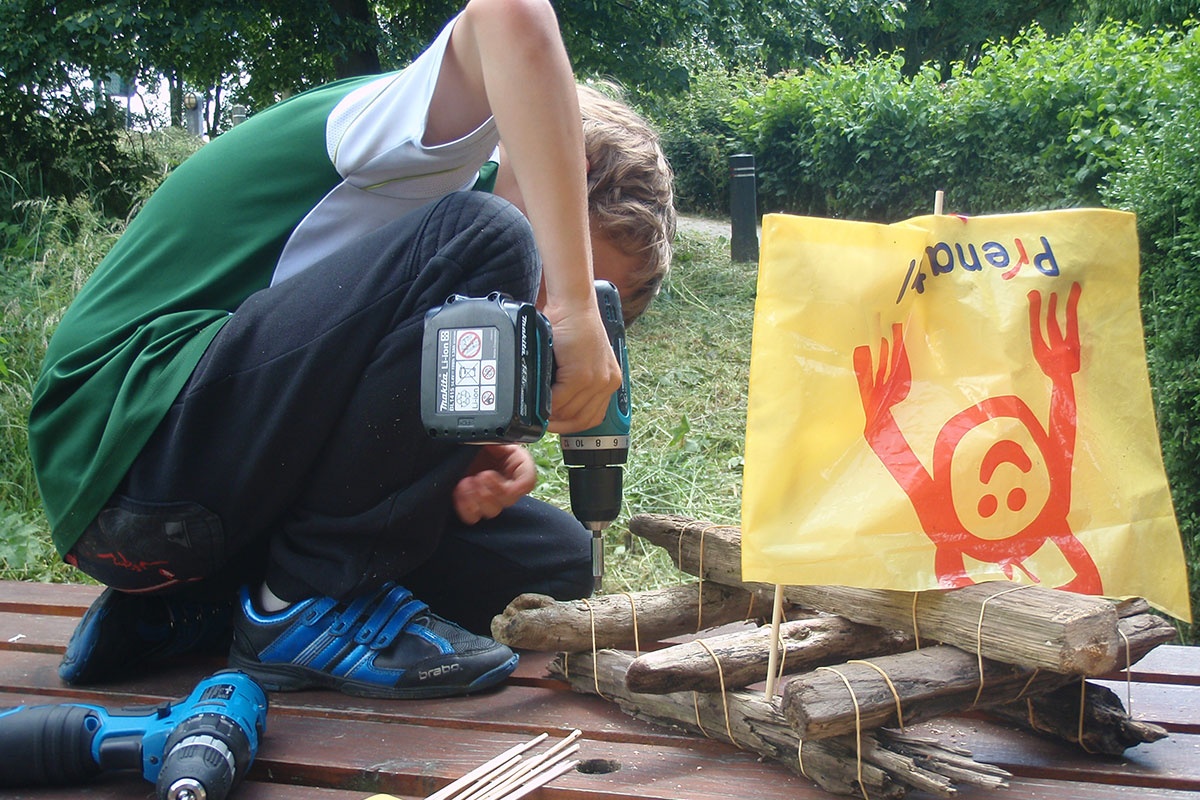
(594, 457)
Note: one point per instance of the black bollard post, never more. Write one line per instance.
(743, 208)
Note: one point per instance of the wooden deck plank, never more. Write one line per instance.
(1175, 707)
(1169, 663)
(403, 758)
(1171, 763)
(1042, 789)
(520, 709)
(65, 599)
(133, 787)
(327, 746)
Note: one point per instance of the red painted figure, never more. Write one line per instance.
(1044, 474)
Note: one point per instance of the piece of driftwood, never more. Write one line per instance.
(756, 724)
(927, 683)
(743, 655)
(1106, 726)
(538, 622)
(1034, 627)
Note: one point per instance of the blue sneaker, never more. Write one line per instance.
(383, 644)
(121, 633)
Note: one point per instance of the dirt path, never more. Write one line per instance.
(704, 225)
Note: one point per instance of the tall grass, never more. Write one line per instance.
(689, 360)
(48, 247)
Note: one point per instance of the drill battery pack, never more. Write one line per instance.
(486, 370)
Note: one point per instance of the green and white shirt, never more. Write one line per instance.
(257, 205)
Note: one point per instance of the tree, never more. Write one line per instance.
(941, 32)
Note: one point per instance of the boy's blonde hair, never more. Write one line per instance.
(630, 195)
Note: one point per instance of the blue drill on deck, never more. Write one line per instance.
(195, 749)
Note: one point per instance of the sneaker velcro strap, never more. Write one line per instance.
(381, 614)
(347, 618)
(313, 614)
(402, 617)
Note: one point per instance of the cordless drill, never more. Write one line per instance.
(486, 370)
(195, 749)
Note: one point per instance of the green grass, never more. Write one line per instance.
(48, 247)
(689, 358)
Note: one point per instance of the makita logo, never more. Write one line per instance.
(425, 674)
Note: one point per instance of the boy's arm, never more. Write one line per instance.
(506, 60)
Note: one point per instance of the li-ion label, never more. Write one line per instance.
(466, 369)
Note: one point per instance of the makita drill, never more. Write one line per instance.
(195, 749)
(486, 372)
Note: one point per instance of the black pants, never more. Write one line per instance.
(296, 452)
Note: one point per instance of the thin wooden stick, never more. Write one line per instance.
(541, 780)
(939, 198)
(533, 765)
(773, 658)
(487, 780)
(486, 768)
(529, 772)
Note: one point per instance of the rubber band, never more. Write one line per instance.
(637, 645)
(696, 705)
(782, 656)
(1029, 705)
(595, 665)
(800, 756)
(916, 630)
(857, 727)
(750, 608)
(1082, 699)
(679, 549)
(892, 686)
(1028, 683)
(724, 696)
(979, 634)
(1128, 674)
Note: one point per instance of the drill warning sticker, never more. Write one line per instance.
(466, 369)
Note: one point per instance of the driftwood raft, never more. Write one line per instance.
(863, 664)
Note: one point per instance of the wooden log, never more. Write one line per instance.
(928, 682)
(1034, 627)
(1106, 726)
(756, 724)
(538, 622)
(743, 655)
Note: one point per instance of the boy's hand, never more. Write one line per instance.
(587, 371)
(499, 475)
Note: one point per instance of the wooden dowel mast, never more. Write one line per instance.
(773, 659)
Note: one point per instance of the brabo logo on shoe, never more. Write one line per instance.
(445, 669)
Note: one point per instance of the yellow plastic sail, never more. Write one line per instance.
(946, 401)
